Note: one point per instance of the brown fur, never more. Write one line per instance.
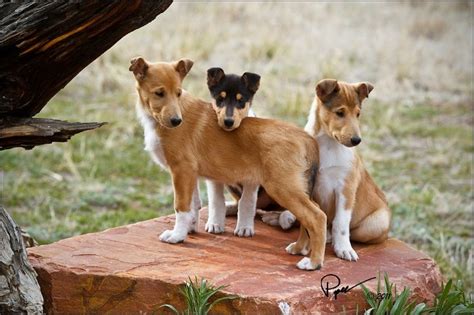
(344, 99)
(277, 156)
(238, 115)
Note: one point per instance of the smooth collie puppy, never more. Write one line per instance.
(232, 97)
(232, 100)
(356, 208)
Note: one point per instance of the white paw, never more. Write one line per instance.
(306, 264)
(214, 228)
(286, 220)
(290, 249)
(170, 236)
(270, 217)
(345, 251)
(244, 231)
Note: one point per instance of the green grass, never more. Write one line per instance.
(417, 131)
(199, 297)
(389, 301)
(451, 300)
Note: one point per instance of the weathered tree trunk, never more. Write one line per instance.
(44, 44)
(19, 290)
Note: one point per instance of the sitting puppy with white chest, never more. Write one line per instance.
(355, 206)
(187, 139)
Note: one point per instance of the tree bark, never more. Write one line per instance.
(29, 132)
(44, 44)
(19, 290)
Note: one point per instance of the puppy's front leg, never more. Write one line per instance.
(195, 207)
(216, 218)
(246, 212)
(184, 183)
(341, 228)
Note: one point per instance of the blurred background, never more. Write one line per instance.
(417, 123)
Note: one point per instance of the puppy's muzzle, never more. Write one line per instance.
(355, 140)
(175, 121)
(228, 122)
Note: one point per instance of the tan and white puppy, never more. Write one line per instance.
(278, 156)
(153, 143)
(356, 208)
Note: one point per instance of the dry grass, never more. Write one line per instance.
(418, 140)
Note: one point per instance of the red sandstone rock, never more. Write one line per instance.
(127, 270)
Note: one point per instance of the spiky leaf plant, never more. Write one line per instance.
(197, 295)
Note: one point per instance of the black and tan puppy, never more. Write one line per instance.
(232, 96)
(232, 100)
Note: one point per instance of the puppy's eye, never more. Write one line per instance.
(358, 114)
(241, 103)
(179, 93)
(160, 93)
(340, 114)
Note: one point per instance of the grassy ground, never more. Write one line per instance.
(418, 139)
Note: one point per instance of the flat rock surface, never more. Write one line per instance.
(127, 270)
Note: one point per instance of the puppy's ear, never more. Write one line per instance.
(139, 67)
(363, 89)
(183, 66)
(214, 76)
(251, 81)
(327, 88)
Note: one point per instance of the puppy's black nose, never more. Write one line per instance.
(228, 122)
(176, 121)
(355, 140)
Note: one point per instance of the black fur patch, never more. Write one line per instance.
(312, 173)
(232, 85)
(236, 190)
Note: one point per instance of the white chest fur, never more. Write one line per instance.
(152, 140)
(335, 161)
